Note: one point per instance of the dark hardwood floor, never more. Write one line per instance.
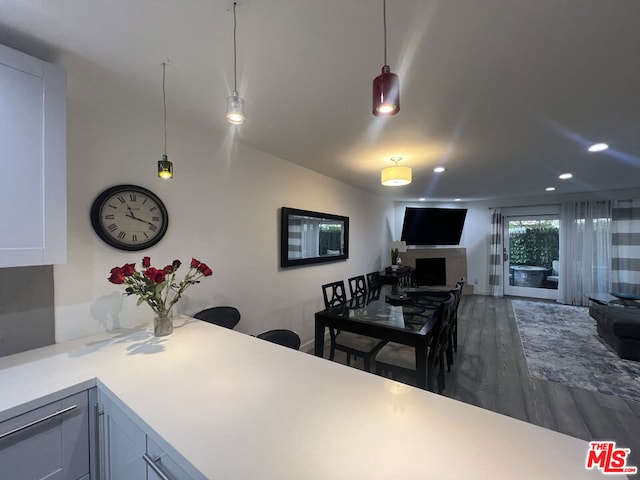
(490, 371)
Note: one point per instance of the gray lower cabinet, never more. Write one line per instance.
(161, 466)
(51, 442)
(127, 452)
(123, 443)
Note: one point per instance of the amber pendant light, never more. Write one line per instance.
(395, 176)
(165, 167)
(386, 86)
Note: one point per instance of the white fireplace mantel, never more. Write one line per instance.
(456, 262)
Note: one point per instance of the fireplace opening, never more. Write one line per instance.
(431, 271)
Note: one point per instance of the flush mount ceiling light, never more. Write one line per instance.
(165, 167)
(386, 86)
(565, 176)
(396, 176)
(235, 103)
(598, 147)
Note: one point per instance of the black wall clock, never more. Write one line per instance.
(129, 217)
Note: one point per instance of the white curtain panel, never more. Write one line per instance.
(311, 238)
(625, 246)
(495, 255)
(585, 246)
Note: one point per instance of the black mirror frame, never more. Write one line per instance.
(284, 238)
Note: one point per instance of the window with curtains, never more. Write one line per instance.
(585, 244)
(599, 250)
(314, 237)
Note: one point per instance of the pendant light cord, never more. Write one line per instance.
(164, 102)
(235, 72)
(384, 21)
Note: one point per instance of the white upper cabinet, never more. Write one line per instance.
(33, 158)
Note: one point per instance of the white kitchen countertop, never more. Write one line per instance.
(237, 407)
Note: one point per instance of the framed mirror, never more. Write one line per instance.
(311, 237)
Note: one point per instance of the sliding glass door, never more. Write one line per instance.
(531, 255)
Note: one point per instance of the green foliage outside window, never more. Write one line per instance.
(330, 238)
(533, 244)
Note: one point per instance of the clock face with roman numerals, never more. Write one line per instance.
(129, 217)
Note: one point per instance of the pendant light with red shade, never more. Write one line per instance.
(386, 86)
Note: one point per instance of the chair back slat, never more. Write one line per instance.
(334, 294)
(358, 286)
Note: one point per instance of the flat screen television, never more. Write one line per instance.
(433, 226)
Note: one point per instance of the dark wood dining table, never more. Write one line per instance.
(394, 314)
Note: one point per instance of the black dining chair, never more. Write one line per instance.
(286, 338)
(433, 298)
(439, 348)
(373, 280)
(454, 328)
(350, 343)
(357, 286)
(400, 360)
(334, 294)
(227, 317)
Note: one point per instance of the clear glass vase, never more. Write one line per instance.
(162, 325)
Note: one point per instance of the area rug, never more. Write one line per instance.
(561, 345)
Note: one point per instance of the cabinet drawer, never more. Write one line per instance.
(49, 442)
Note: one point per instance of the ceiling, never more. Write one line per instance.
(505, 94)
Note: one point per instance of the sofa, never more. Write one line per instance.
(619, 327)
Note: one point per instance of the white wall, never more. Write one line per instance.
(224, 210)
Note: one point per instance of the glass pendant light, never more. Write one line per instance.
(165, 167)
(235, 103)
(386, 86)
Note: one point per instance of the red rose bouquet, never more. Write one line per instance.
(158, 287)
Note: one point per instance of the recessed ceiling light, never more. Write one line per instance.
(550, 189)
(457, 200)
(565, 176)
(598, 147)
(422, 199)
(439, 169)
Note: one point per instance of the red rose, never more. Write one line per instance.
(176, 264)
(195, 263)
(128, 269)
(117, 279)
(158, 276)
(155, 275)
(146, 262)
(116, 276)
(168, 269)
(205, 270)
(150, 272)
